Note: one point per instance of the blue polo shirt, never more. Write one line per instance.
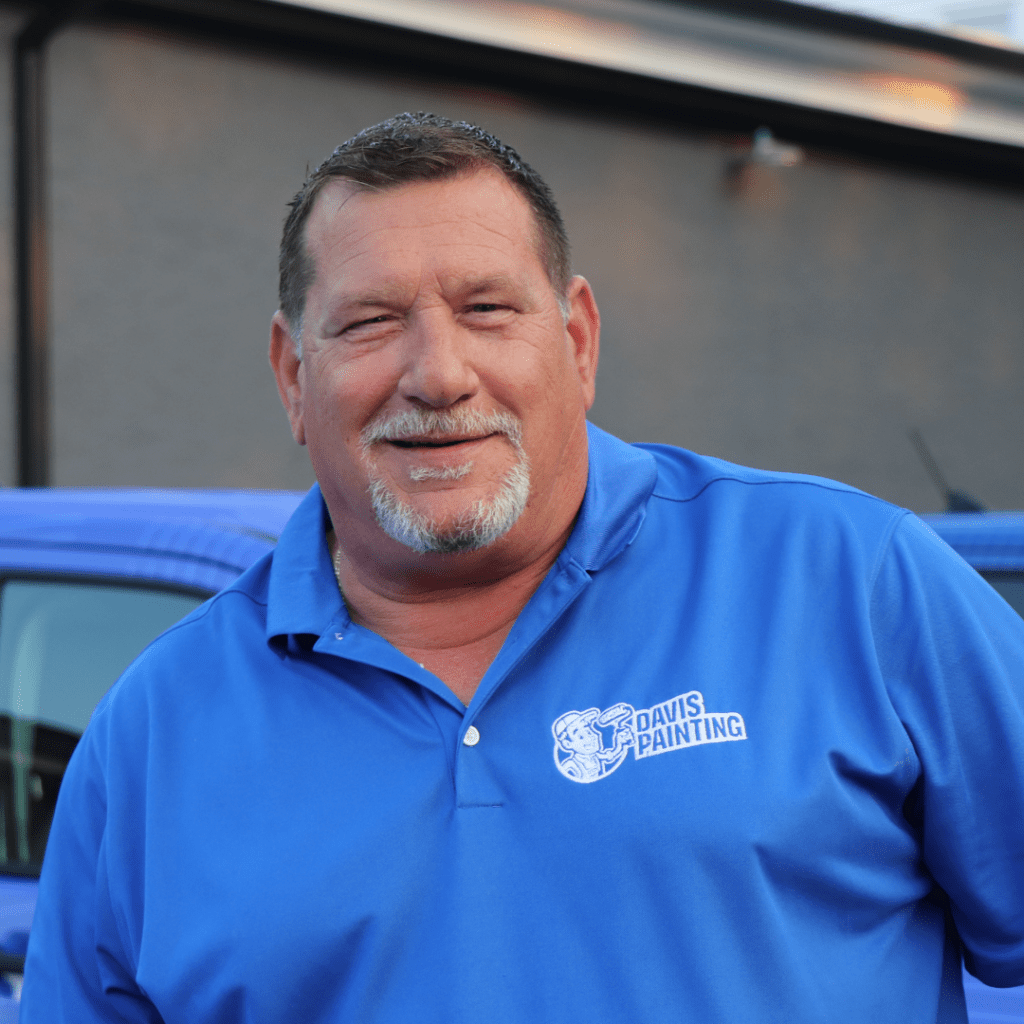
(753, 751)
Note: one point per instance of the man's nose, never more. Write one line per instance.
(438, 370)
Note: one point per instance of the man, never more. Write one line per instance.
(344, 789)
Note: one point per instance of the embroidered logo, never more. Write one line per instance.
(591, 744)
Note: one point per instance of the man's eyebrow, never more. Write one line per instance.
(381, 295)
(470, 285)
(397, 294)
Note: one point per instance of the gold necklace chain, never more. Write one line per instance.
(335, 549)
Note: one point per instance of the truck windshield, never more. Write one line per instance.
(62, 645)
(1010, 586)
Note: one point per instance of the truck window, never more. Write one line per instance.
(1010, 586)
(62, 645)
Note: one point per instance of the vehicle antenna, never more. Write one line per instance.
(956, 501)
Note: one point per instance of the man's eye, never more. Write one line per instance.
(484, 307)
(383, 318)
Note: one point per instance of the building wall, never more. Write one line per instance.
(797, 318)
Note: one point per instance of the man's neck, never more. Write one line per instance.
(454, 631)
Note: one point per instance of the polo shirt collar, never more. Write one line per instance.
(303, 595)
(620, 481)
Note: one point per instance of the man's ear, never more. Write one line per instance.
(287, 367)
(584, 330)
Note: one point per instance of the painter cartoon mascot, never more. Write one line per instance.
(591, 744)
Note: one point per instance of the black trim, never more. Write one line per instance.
(31, 259)
(31, 251)
(12, 963)
(18, 871)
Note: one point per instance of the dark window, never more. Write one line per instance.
(62, 645)
(1011, 586)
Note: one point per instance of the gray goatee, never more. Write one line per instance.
(485, 520)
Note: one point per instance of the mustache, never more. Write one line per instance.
(441, 425)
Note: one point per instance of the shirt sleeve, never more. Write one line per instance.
(952, 653)
(77, 969)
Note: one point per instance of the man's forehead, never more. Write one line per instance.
(482, 198)
(335, 195)
(340, 192)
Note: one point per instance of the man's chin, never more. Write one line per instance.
(447, 530)
(446, 541)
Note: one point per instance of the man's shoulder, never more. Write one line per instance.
(758, 511)
(686, 476)
(240, 604)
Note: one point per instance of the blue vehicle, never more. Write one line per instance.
(993, 542)
(89, 578)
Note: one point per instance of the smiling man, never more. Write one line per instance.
(521, 723)
(439, 364)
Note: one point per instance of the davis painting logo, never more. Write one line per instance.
(591, 744)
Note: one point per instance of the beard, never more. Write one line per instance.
(484, 520)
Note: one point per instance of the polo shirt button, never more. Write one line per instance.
(472, 737)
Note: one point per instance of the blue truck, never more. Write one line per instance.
(89, 577)
(87, 580)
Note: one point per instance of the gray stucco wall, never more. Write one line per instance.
(803, 321)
